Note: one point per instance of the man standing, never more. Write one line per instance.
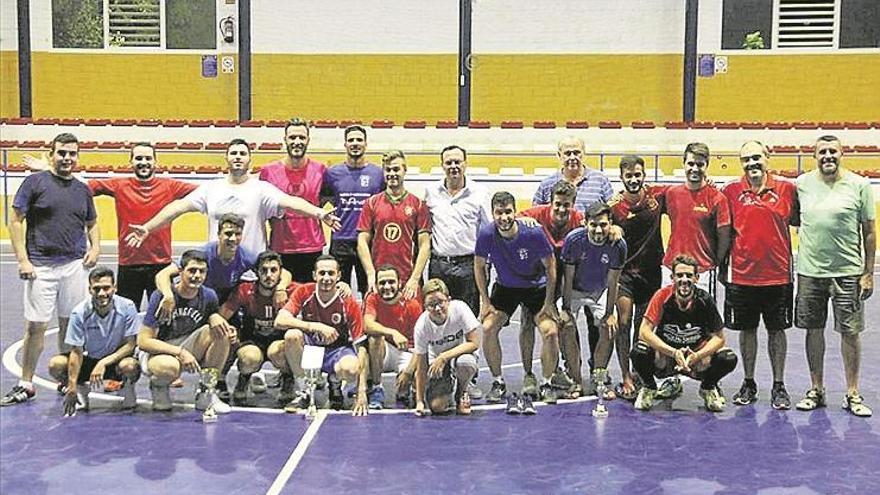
(835, 261)
(682, 332)
(298, 238)
(52, 252)
(348, 186)
(317, 315)
(394, 225)
(447, 336)
(526, 268)
(389, 320)
(759, 275)
(592, 185)
(255, 200)
(102, 336)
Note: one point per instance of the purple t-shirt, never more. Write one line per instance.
(188, 315)
(57, 213)
(349, 188)
(517, 261)
(592, 262)
(221, 277)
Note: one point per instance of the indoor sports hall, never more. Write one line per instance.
(505, 80)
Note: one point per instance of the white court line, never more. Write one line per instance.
(297, 454)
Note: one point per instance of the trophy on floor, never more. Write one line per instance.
(312, 360)
(208, 378)
(599, 377)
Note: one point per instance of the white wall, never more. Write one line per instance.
(355, 27)
(8, 25)
(578, 26)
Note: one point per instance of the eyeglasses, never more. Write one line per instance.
(751, 158)
(436, 304)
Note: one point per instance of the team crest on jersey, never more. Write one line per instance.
(701, 208)
(336, 318)
(365, 181)
(391, 232)
(408, 210)
(523, 253)
(605, 259)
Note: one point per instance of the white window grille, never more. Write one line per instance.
(806, 23)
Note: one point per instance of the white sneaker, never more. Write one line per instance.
(161, 397)
(258, 383)
(82, 397)
(129, 395)
(203, 400)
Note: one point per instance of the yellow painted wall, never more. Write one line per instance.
(361, 87)
(793, 87)
(9, 83)
(168, 86)
(576, 87)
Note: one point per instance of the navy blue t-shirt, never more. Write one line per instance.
(57, 212)
(188, 315)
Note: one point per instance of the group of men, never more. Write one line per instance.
(580, 246)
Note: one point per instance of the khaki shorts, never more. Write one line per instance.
(811, 304)
(56, 288)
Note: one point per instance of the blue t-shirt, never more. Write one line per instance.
(223, 277)
(101, 336)
(188, 315)
(592, 262)
(350, 188)
(517, 261)
(57, 212)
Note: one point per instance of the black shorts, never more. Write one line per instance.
(88, 364)
(639, 286)
(261, 341)
(300, 265)
(507, 299)
(133, 281)
(745, 305)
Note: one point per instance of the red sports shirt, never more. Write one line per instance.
(760, 253)
(395, 227)
(343, 314)
(401, 316)
(544, 215)
(696, 217)
(295, 233)
(259, 310)
(136, 203)
(640, 222)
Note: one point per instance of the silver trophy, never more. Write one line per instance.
(208, 379)
(599, 377)
(312, 360)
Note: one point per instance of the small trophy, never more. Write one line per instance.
(599, 376)
(312, 360)
(208, 385)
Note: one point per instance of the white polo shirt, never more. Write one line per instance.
(456, 220)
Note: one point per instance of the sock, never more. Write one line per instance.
(26, 384)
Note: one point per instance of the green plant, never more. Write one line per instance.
(754, 41)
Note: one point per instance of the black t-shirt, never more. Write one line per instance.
(691, 327)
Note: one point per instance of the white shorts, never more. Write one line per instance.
(594, 302)
(706, 281)
(395, 359)
(188, 342)
(58, 288)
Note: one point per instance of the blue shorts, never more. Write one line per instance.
(332, 356)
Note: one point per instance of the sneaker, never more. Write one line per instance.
(530, 385)
(513, 404)
(670, 389)
(526, 406)
(464, 404)
(258, 383)
(334, 394)
(548, 394)
(645, 399)
(856, 405)
(712, 398)
(288, 388)
(779, 398)
(560, 380)
(474, 391)
(239, 395)
(814, 399)
(18, 395)
(299, 402)
(497, 392)
(111, 386)
(748, 393)
(129, 395)
(376, 397)
(273, 380)
(223, 391)
(161, 397)
(205, 400)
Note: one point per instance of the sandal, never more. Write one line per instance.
(609, 394)
(630, 395)
(814, 399)
(856, 405)
(574, 392)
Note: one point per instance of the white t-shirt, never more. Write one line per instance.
(254, 200)
(433, 339)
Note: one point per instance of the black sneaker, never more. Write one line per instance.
(513, 404)
(17, 395)
(223, 391)
(497, 393)
(779, 397)
(548, 394)
(748, 394)
(335, 394)
(526, 406)
(288, 388)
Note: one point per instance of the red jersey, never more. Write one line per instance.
(295, 233)
(760, 252)
(640, 222)
(395, 226)
(696, 217)
(401, 316)
(342, 314)
(259, 310)
(690, 327)
(544, 215)
(136, 203)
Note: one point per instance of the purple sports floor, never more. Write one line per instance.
(677, 448)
